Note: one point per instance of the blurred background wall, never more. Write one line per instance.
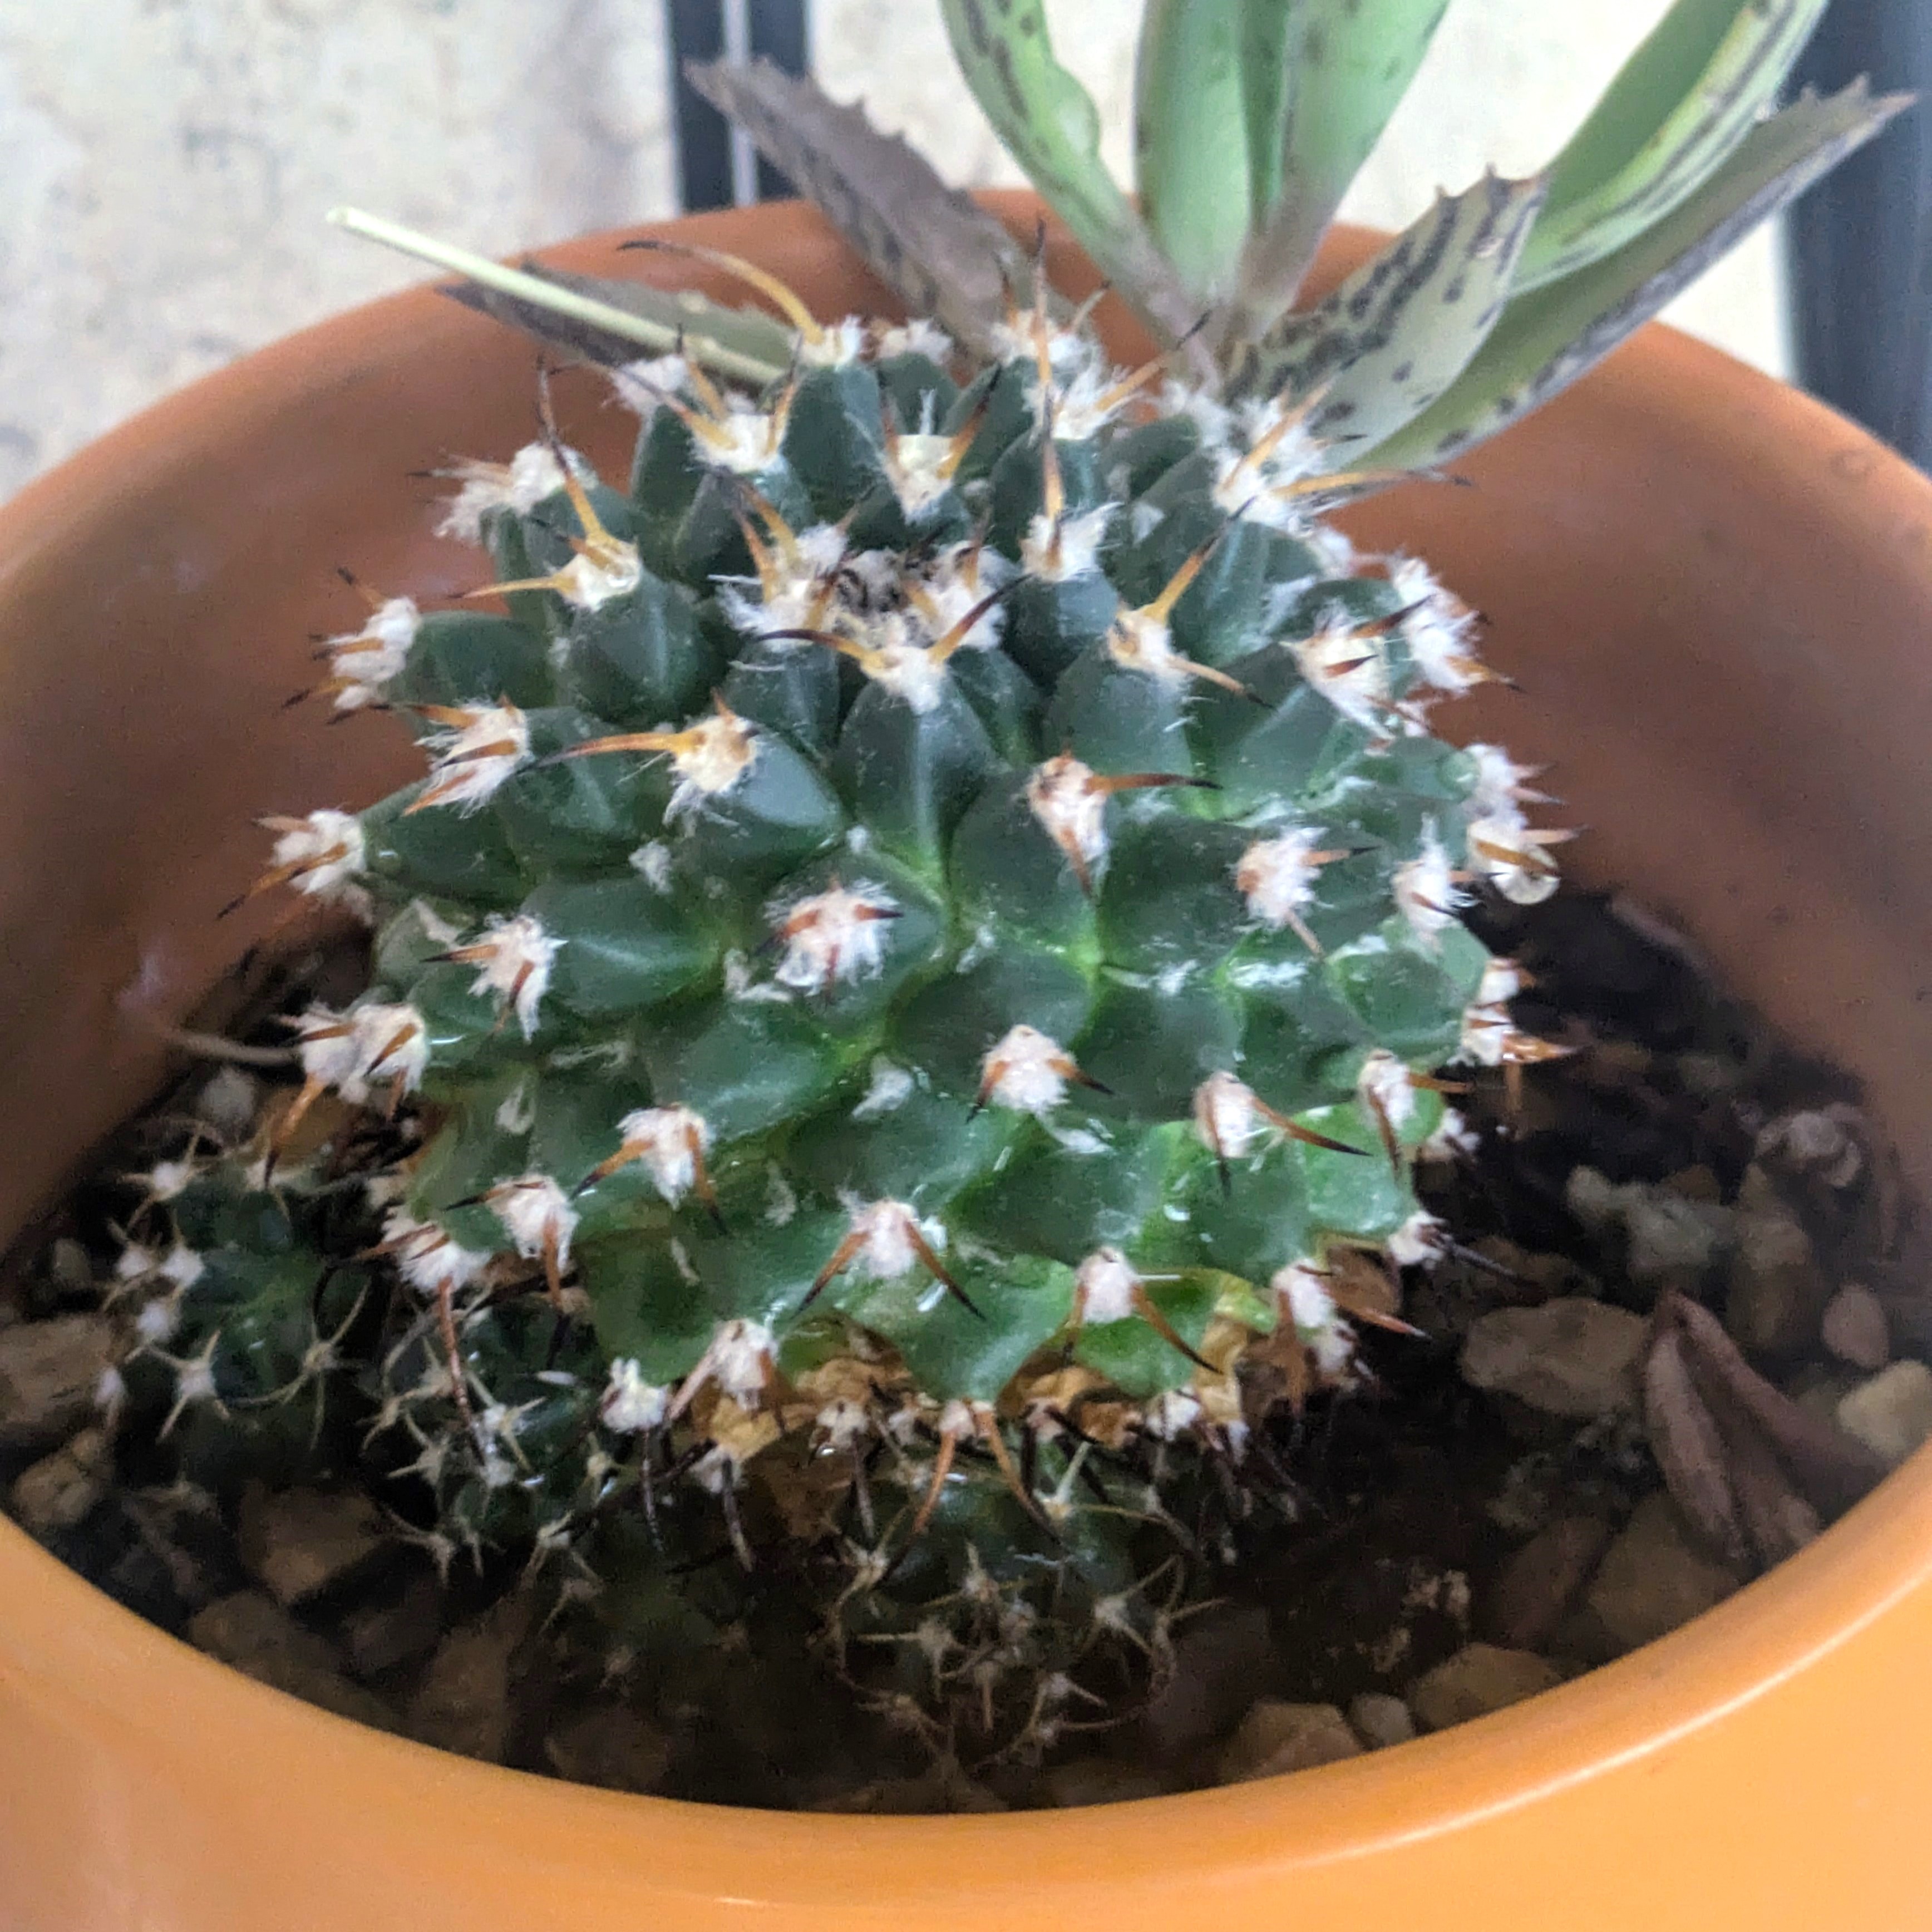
(165, 164)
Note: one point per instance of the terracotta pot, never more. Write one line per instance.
(1716, 596)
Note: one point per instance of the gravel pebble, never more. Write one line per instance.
(258, 1637)
(1539, 1583)
(1481, 1677)
(49, 1372)
(1276, 1736)
(61, 1490)
(1777, 1291)
(296, 1543)
(1891, 1414)
(1572, 1356)
(1654, 1577)
(1855, 1329)
(1381, 1720)
(463, 1703)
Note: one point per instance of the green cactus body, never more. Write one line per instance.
(935, 939)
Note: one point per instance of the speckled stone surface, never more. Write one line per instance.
(169, 162)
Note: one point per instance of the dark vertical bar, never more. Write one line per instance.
(778, 31)
(1860, 243)
(775, 28)
(704, 135)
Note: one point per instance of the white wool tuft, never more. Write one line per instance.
(1057, 553)
(1227, 1116)
(740, 1355)
(1303, 1293)
(1105, 1286)
(1387, 1085)
(630, 1405)
(1070, 803)
(328, 854)
(516, 957)
(1425, 888)
(1351, 672)
(1418, 1241)
(1136, 641)
(427, 1257)
(886, 1231)
(365, 661)
(352, 1051)
(719, 750)
(473, 761)
(891, 1087)
(832, 937)
(1439, 630)
(1026, 1071)
(1502, 852)
(537, 1215)
(918, 337)
(1276, 876)
(669, 1141)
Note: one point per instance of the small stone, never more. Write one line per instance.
(1594, 1198)
(612, 1746)
(1097, 1780)
(1221, 1660)
(1381, 1720)
(1855, 1329)
(1891, 1414)
(1672, 1236)
(396, 1630)
(259, 1639)
(1573, 1357)
(1481, 1677)
(49, 1372)
(68, 1267)
(61, 1490)
(1700, 1183)
(1821, 1143)
(1778, 1290)
(1539, 1583)
(463, 1703)
(1654, 1577)
(1277, 1737)
(298, 1542)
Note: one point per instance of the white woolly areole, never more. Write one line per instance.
(1439, 631)
(1244, 482)
(921, 336)
(669, 1141)
(919, 468)
(365, 660)
(1425, 890)
(842, 1422)
(518, 486)
(642, 386)
(1057, 553)
(427, 1257)
(832, 937)
(1136, 641)
(325, 855)
(1016, 340)
(1304, 1297)
(166, 1179)
(1106, 1285)
(158, 1321)
(907, 669)
(962, 575)
(1170, 1413)
(593, 577)
(1385, 1083)
(1487, 1031)
(1454, 1139)
(1070, 803)
(892, 1086)
(1501, 982)
(746, 442)
(1501, 852)
(630, 1405)
(473, 761)
(720, 750)
(351, 1052)
(886, 1231)
(1206, 411)
(1026, 1070)
(1501, 782)
(537, 1215)
(651, 861)
(741, 1359)
(1276, 877)
(1227, 1116)
(1351, 672)
(182, 1266)
(1418, 1241)
(837, 345)
(513, 958)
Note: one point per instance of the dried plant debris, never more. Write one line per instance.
(1583, 1428)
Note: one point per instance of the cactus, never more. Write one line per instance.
(906, 1005)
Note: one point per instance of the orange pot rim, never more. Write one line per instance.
(70, 1640)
